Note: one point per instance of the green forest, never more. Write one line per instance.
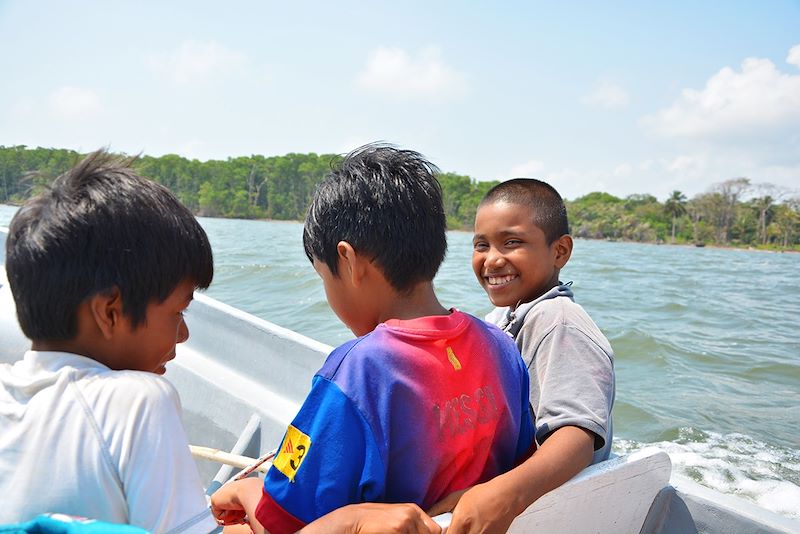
(736, 212)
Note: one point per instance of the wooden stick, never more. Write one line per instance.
(236, 460)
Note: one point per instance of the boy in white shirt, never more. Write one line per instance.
(101, 266)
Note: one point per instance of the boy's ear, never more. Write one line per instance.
(563, 249)
(351, 264)
(105, 309)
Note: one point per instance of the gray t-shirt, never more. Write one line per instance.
(571, 365)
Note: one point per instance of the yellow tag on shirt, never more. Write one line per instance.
(453, 360)
(294, 448)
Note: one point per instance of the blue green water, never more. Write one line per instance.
(707, 341)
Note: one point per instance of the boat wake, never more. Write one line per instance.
(735, 464)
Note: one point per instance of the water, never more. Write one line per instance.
(706, 340)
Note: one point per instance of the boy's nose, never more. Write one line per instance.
(183, 332)
(494, 258)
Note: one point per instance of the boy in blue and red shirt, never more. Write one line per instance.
(426, 400)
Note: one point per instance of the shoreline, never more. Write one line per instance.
(747, 248)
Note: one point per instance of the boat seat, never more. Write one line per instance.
(611, 496)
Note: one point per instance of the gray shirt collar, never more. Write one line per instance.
(510, 320)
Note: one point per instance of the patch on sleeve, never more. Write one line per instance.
(294, 448)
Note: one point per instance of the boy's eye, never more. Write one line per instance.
(480, 247)
(513, 242)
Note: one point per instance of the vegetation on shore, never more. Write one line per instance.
(735, 212)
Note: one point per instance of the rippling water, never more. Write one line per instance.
(706, 340)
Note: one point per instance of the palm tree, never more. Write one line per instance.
(675, 206)
(763, 205)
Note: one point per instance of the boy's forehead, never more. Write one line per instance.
(502, 213)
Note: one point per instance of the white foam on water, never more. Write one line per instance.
(735, 464)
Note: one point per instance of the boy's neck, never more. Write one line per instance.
(420, 302)
(72, 346)
(55, 346)
(555, 285)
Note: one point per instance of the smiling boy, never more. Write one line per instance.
(520, 245)
(102, 266)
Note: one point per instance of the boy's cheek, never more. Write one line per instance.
(477, 268)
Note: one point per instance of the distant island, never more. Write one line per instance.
(735, 212)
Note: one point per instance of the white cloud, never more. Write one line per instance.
(692, 172)
(394, 71)
(757, 102)
(194, 61)
(74, 102)
(607, 95)
(794, 56)
(526, 170)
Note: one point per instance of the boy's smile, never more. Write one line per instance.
(499, 280)
(511, 257)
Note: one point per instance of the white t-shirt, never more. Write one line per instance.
(79, 438)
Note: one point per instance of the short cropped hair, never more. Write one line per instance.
(540, 198)
(387, 203)
(100, 226)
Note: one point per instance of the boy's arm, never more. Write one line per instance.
(493, 505)
(328, 459)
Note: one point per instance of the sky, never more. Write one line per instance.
(622, 97)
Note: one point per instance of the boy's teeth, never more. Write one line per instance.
(495, 280)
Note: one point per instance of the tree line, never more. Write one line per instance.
(736, 212)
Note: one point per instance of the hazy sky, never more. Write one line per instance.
(623, 97)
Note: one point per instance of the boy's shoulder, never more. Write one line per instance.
(383, 349)
(56, 373)
(140, 391)
(556, 308)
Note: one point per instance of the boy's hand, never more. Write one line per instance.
(226, 507)
(482, 508)
(375, 518)
(492, 506)
(230, 503)
(447, 504)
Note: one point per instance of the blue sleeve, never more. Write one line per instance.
(328, 458)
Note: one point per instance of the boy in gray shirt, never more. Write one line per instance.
(521, 243)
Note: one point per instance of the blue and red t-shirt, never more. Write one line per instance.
(407, 413)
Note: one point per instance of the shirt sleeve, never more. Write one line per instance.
(160, 479)
(572, 383)
(328, 458)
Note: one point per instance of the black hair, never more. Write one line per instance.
(387, 203)
(540, 198)
(100, 226)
